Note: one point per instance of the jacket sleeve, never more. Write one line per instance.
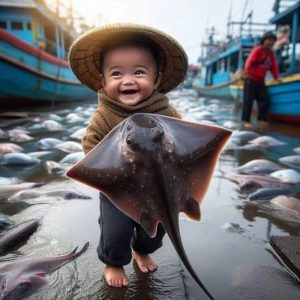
(274, 67)
(95, 132)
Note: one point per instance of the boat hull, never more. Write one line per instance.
(28, 75)
(220, 92)
(284, 99)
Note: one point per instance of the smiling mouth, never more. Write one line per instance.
(129, 92)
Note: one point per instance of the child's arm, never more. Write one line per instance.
(96, 131)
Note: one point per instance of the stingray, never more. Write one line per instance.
(152, 168)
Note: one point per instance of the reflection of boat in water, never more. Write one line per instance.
(224, 60)
(33, 47)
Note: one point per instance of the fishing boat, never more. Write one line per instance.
(222, 70)
(34, 41)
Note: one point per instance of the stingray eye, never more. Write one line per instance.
(157, 134)
(23, 287)
(129, 139)
(129, 127)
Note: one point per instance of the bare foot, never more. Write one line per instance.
(115, 276)
(145, 262)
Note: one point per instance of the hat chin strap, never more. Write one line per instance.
(157, 80)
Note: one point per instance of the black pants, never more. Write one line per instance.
(120, 234)
(255, 91)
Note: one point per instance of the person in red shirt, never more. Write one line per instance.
(260, 61)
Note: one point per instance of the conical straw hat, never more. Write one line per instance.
(85, 54)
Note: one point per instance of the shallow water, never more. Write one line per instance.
(228, 248)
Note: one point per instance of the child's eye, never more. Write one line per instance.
(139, 72)
(116, 74)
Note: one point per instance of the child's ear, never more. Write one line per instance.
(158, 78)
(102, 80)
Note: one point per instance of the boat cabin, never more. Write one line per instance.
(34, 23)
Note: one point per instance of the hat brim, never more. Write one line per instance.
(85, 54)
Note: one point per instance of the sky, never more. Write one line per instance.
(186, 20)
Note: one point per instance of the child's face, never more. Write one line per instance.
(130, 74)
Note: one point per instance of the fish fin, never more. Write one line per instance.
(191, 208)
(148, 223)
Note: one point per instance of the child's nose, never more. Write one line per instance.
(128, 79)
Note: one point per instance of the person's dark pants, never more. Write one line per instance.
(120, 234)
(255, 91)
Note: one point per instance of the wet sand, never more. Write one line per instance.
(228, 248)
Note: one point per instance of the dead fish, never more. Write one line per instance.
(24, 195)
(69, 147)
(164, 161)
(15, 234)
(72, 158)
(287, 202)
(39, 154)
(21, 137)
(297, 150)
(245, 135)
(258, 166)
(66, 194)
(287, 175)
(54, 168)
(19, 277)
(267, 141)
(269, 193)
(48, 143)
(291, 160)
(10, 189)
(249, 181)
(73, 118)
(9, 148)
(78, 134)
(52, 125)
(18, 159)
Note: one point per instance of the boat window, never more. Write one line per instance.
(16, 25)
(28, 26)
(3, 24)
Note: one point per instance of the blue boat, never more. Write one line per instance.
(33, 48)
(221, 68)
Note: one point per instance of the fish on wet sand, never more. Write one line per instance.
(267, 141)
(164, 161)
(21, 276)
(269, 193)
(17, 233)
(291, 160)
(6, 190)
(10, 148)
(66, 194)
(20, 159)
(287, 175)
(287, 202)
(258, 166)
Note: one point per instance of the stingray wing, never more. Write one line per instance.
(197, 148)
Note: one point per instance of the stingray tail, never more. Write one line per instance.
(174, 236)
(172, 229)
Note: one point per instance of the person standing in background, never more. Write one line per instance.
(261, 60)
